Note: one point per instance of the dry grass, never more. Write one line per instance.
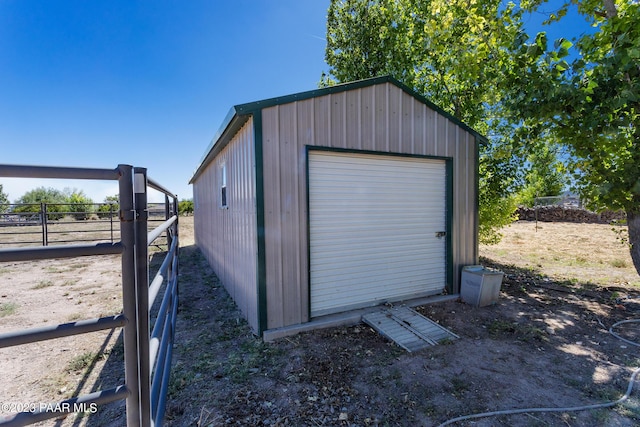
(584, 253)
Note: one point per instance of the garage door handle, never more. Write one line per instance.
(440, 234)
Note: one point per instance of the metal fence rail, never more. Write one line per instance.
(147, 356)
(49, 223)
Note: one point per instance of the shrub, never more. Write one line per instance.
(79, 205)
(109, 207)
(185, 207)
(31, 200)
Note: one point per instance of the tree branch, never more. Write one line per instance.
(610, 7)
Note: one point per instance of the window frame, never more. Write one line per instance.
(224, 196)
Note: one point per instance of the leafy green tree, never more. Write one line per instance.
(454, 52)
(31, 200)
(4, 200)
(586, 94)
(185, 207)
(545, 177)
(110, 206)
(78, 204)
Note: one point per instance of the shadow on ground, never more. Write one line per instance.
(545, 343)
(112, 372)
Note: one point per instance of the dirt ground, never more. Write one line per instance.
(41, 293)
(544, 344)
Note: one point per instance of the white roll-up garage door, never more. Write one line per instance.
(376, 225)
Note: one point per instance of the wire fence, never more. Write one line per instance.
(45, 224)
(569, 200)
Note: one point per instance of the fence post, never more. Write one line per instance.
(43, 221)
(176, 236)
(111, 220)
(167, 215)
(127, 237)
(142, 291)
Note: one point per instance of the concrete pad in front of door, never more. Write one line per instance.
(407, 328)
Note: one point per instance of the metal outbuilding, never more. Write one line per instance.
(336, 199)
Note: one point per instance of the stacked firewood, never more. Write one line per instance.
(568, 214)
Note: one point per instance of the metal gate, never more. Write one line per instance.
(147, 347)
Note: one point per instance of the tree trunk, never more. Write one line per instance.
(633, 224)
(610, 7)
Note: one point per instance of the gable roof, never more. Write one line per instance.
(239, 114)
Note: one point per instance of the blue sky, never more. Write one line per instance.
(97, 83)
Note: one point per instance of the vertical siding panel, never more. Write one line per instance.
(271, 157)
(244, 205)
(446, 140)
(287, 246)
(452, 133)
(462, 209)
(395, 119)
(236, 216)
(305, 137)
(247, 216)
(394, 129)
(251, 243)
(464, 196)
(431, 132)
(381, 119)
(217, 223)
(418, 127)
(289, 241)
(337, 118)
(425, 129)
(435, 122)
(322, 127)
(353, 121)
(210, 221)
(441, 140)
(387, 114)
(368, 115)
(359, 119)
(458, 204)
(407, 124)
(252, 219)
(345, 106)
(223, 218)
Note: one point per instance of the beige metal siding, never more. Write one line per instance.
(375, 239)
(227, 236)
(285, 215)
(376, 118)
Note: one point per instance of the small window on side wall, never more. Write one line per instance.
(223, 186)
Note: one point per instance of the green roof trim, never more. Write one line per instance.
(238, 115)
(231, 124)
